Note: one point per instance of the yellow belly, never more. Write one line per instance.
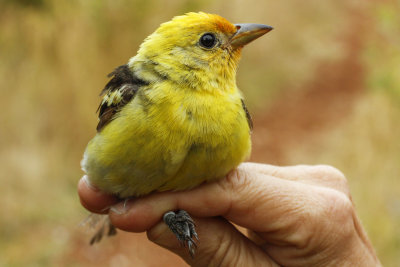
(174, 143)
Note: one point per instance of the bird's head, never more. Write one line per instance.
(199, 49)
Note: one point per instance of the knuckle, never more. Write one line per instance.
(338, 212)
(241, 189)
(331, 174)
(229, 251)
(339, 206)
(328, 171)
(237, 178)
(331, 219)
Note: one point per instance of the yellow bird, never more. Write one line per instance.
(173, 117)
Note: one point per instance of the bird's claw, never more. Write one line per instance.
(183, 226)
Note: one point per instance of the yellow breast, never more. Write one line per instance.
(166, 140)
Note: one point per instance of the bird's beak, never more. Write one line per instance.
(248, 32)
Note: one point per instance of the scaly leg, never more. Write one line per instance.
(183, 226)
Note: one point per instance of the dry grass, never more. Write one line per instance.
(54, 59)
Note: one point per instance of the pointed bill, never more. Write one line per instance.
(248, 32)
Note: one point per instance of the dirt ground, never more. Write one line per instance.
(297, 117)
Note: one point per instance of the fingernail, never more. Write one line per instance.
(121, 207)
(85, 178)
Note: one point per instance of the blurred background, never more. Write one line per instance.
(323, 88)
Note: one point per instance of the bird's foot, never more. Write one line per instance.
(183, 226)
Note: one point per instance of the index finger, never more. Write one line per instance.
(256, 201)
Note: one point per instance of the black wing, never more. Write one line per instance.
(117, 93)
(248, 116)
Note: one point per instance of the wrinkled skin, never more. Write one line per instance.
(294, 216)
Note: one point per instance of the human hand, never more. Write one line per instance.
(295, 216)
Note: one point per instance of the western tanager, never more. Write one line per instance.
(172, 117)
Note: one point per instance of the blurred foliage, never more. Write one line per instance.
(54, 59)
(383, 51)
(364, 147)
(25, 3)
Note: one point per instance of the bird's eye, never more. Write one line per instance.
(208, 40)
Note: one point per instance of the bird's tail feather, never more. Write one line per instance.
(102, 226)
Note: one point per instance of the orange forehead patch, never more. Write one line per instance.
(222, 24)
(203, 21)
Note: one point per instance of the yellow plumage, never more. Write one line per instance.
(184, 122)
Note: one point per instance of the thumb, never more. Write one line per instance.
(221, 244)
